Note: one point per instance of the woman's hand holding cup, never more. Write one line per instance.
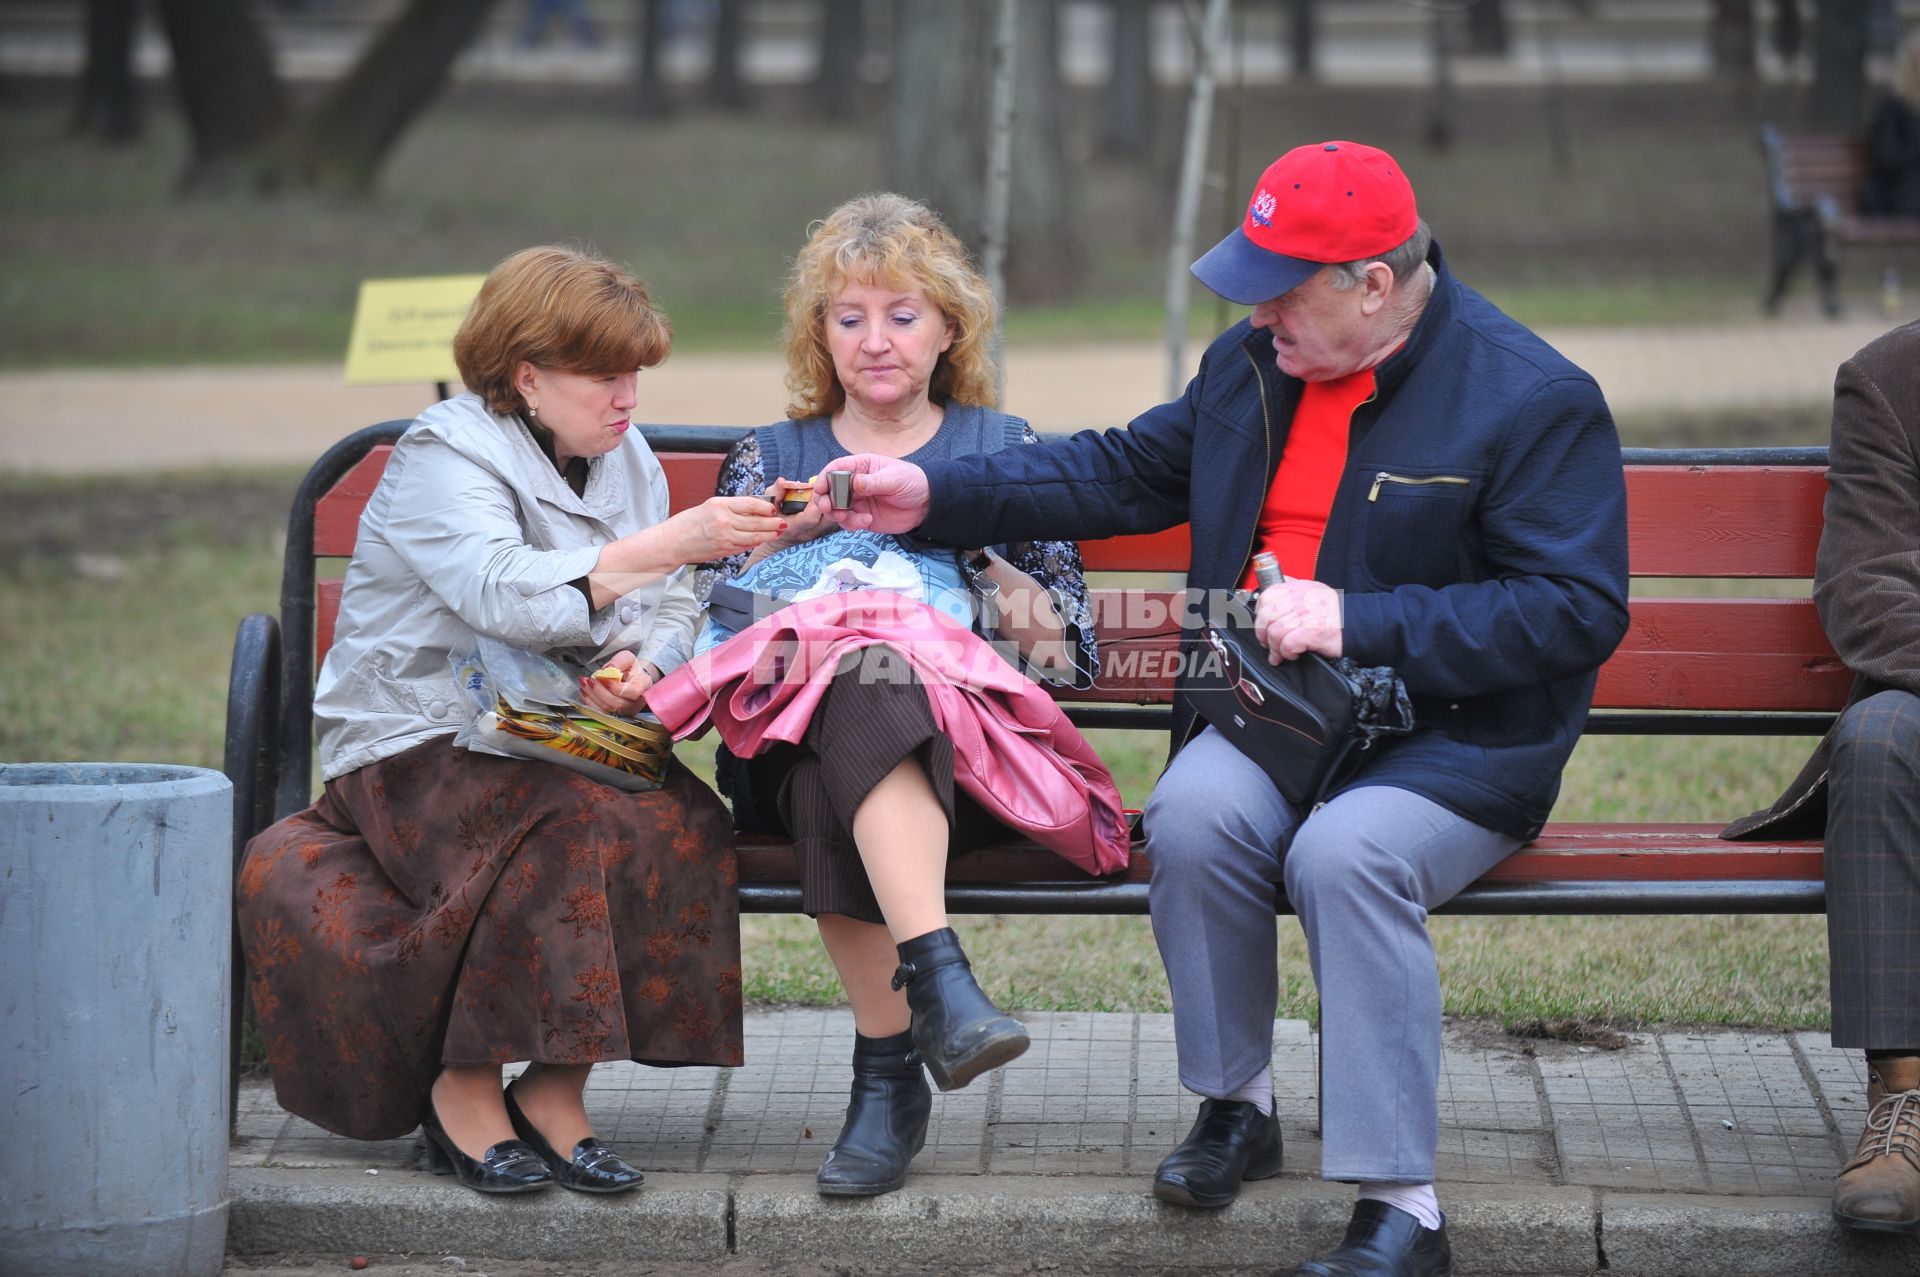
(720, 527)
(813, 521)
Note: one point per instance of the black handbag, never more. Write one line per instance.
(1302, 720)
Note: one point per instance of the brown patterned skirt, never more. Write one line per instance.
(443, 907)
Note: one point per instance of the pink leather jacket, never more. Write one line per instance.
(1014, 750)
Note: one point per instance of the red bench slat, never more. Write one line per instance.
(1723, 654)
(1733, 521)
(1564, 853)
(1699, 654)
(336, 515)
(326, 611)
(1689, 654)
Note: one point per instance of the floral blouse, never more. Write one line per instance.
(1054, 564)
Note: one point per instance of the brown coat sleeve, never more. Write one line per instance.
(1867, 582)
(1867, 578)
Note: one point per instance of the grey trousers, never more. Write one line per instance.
(1362, 873)
(1873, 874)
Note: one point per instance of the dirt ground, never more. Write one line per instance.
(51, 521)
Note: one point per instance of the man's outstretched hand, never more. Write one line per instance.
(889, 495)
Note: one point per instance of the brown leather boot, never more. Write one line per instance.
(1880, 1188)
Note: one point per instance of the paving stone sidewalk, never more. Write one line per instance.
(1681, 1152)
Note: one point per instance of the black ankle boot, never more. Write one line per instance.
(886, 1120)
(960, 1033)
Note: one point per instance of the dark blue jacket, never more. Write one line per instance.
(1479, 533)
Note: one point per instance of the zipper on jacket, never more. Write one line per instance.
(1266, 443)
(1412, 481)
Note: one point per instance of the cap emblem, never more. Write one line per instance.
(1261, 210)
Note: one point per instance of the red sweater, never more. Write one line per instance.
(1294, 517)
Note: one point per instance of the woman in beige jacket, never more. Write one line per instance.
(441, 912)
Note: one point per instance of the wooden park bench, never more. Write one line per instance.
(1693, 666)
(1814, 181)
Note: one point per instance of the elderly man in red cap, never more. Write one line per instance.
(1443, 492)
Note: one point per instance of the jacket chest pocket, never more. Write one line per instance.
(1414, 525)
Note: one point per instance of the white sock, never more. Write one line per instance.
(1417, 1200)
(1258, 1091)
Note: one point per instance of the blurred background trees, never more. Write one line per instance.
(1545, 133)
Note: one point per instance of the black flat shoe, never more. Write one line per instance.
(507, 1167)
(593, 1168)
(1385, 1241)
(886, 1120)
(1231, 1141)
(959, 1032)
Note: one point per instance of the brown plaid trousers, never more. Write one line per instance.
(1873, 873)
(1864, 779)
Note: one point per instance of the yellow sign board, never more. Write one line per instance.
(403, 328)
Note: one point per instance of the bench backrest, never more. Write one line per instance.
(1731, 664)
(1805, 168)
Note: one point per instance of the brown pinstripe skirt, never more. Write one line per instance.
(861, 730)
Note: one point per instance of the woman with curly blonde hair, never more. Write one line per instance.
(888, 339)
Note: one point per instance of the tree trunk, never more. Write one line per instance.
(726, 84)
(937, 137)
(843, 39)
(1126, 124)
(340, 145)
(1488, 31)
(1438, 132)
(1304, 26)
(1839, 65)
(650, 97)
(228, 91)
(1731, 39)
(107, 106)
(1788, 31)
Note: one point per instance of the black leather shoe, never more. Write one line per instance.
(1385, 1241)
(886, 1120)
(958, 1030)
(1231, 1141)
(593, 1168)
(507, 1167)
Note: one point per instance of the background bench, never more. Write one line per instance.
(1729, 666)
(1814, 180)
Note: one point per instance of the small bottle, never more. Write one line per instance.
(1266, 569)
(1890, 292)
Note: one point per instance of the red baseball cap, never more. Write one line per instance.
(1328, 202)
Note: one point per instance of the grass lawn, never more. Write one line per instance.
(118, 601)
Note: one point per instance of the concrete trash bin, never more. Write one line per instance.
(115, 901)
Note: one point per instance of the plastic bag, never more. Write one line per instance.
(525, 707)
(888, 571)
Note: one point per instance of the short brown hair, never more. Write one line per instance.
(561, 308)
(896, 242)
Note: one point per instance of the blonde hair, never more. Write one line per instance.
(894, 242)
(1906, 69)
(560, 308)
